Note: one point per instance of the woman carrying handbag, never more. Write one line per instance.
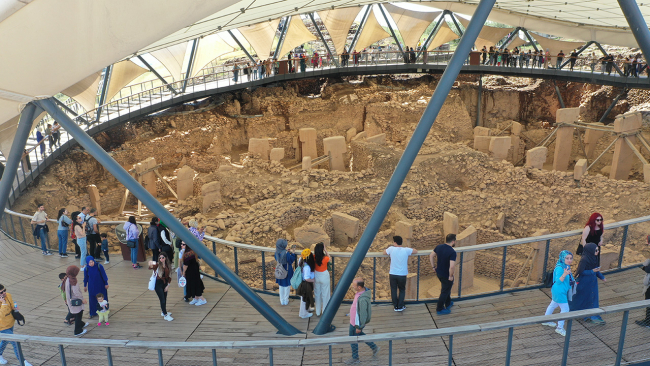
(75, 299)
(284, 259)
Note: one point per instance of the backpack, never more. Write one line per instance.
(281, 272)
(296, 280)
(89, 227)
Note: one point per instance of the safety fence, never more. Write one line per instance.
(498, 267)
(510, 341)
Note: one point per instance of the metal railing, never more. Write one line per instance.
(78, 347)
(255, 264)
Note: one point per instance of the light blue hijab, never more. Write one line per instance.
(560, 261)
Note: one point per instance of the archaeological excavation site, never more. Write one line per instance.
(308, 161)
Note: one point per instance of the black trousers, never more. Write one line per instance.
(78, 322)
(77, 250)
(445, 293)
(647, 310)
(156, 253)
(397, 283)
(95, 249)
(162, 295)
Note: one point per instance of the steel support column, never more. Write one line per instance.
(559, 96)
(479, 100)
(190, 62)
(579, 52)
(160, 211)
(530, 39)
(611, 106)
(510, 37)
(433, 33)
(406, 161)
(327, 47)
(69, 110)
(243, 48)
(16, 153)
(453, 19)
(392, 32)
(281, 39)
(171, 89)
(102, 96)
(637, 24)
(618, 70)
(362, 24)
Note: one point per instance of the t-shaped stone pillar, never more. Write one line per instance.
(536, 157)
(211, 193)
(346, 228)
(307, 137)
(499, 146)
(93, 192)
(591, 139)
(449, 223)
(466, 238)
(277, 154)
(405, 230)
(564, 137)
(259, 147)
(148, 179)
(624, 156)
(185, 182)
(336, 147)
(537, 267)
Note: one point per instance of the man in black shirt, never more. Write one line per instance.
(444, 267)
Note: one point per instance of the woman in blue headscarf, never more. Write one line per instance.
(95, 282)
(562, 289)
(586, 296)
(284, 258)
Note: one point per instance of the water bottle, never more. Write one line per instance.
(15, 306)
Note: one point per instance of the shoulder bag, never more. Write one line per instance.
(579, 249)
(296, 280)
(280, 272)
(18, 317)
(152, 281)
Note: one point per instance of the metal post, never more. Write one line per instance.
(16, 153)
(327, 47)
(637, 24)
(621, 338)
(214, 357)
(559, 96)
(460, 274)
(390, 352)
(333, 273)
(503, 266)
(281, 39)
(160, 211)
(62, 353)
(109, 355)
(236, 261)
(374, 277)
(611, 106)
(480, 100)
(548, 246)
(579, 52)
(22, 229)
(453, 19)
(509, 348)
(11, 219)
(620, 255)
(214, 248)
(392, 32)
(171, 89)
(242, 47)
(21, 356)
(330, 354)
(530, 39)
(160, 358)
(450, 358)
(417, 290)
(364, 19)
(270, 356)
(263, 272)
(403, 166)
(102, 95)
(190, 62)
(567, 339)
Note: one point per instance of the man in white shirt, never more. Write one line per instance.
(398, 271)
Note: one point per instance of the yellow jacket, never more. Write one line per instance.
(6, 319)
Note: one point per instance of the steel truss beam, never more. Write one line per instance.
(514, 33)
(453, 19)
(102, 96)
(579, 52)
(243, 48)
(406, 161)
(327, 47)
(392, 32)
(161, 212)
(281, 39)
(69, 110)
(433, 33)
(171, 89)
(530, 39)
(613, 104)
(607, 54)
(362, 24)
(188, 72)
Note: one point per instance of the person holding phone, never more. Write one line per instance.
(284, 258)
(586, 275)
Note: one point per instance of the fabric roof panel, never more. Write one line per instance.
(260, 36)
(297, 34)
(85, 91)
(444, 35)
(411, 24)
(338, 23)
(371, 32)
(172, 58)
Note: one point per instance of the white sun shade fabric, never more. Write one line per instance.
(210, 47)
(444, 35)
(555, 46)
(516, 42)
(85, 91)
(122, 73)
(172, 58)
(488, 36)
(260, 36)
(371, 32)
(297, 34)
(338, 23)
(411, 24)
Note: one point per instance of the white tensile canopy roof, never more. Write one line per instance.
(49, 46)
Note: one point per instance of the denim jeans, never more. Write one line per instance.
(4, 344)
(63, 241)
(84, 251)
(43, 235)
(134, 253)
(354, 346)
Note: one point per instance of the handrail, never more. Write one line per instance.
(326, 341)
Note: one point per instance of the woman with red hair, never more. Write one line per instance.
(593, 233)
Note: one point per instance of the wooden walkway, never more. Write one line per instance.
(32, 280)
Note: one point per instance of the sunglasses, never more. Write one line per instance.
(599, 220)
(3, 292)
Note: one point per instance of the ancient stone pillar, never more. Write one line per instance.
(537, 266)
(499, 146)
(624, 156)
(277, 154)
(93, 192)
(349, 134)
(211, 193)
(449, 224)
(536, 157)
(590, 140)
(336, 147)
(580, 169)
(259, 147)
(646, 173)
(405, 230)
(411, 291)
(464, 239)
(482, 143)
(346, 228)
(148, 179)
(564, 137)
(306, 163)
(185, 182)
(501, 220)
(307, 137)
(378, 139)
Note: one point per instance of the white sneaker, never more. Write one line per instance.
(46, 253)
(3, 361)
(168, 318)
(85, 325)
(308, 316)
(82, 333)
(560, 331)
(107, 262)
(82, 269)
(550, 324)
(27, 363)
(194, 301)
(168, 313)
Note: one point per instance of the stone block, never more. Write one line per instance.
(405, 230)
(536, 157)
(608, 259)
(499, 146)
(501, 220)
(225, 168)
(277, 154)
(349, 134)
(482, 131)
(259, 147)
(185, 182)
(646, 173)
(517, 148)
(537, 267)
(359, 136)
(467, 237)
(411, 290)
(516, 128)
(567, 115)
(449, 224)
(306, 163)
(482, 143)
(211, 193)
(93, 192)
(580, 169)
(591, 139)
(377, 139)
(628, 122)
(311, 234)
(346, 227)
(623, 158)
(307, 137)
(336, 147)
(148, 179)
(563, 145)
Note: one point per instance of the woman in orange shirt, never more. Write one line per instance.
(322, 283)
